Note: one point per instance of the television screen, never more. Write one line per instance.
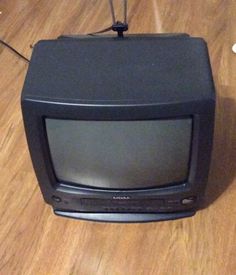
(120, 154)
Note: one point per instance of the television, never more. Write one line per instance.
(120, 128)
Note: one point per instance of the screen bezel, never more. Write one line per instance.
(35, 112)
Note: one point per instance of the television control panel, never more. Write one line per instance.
(126, 205)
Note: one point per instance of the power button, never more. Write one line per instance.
(56, 199)
(187, 201)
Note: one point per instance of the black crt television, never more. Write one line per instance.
(120, 129)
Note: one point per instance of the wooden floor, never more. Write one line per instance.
(32, 239)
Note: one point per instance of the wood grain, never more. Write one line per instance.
(32, 239)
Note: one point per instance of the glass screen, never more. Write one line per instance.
(120, 154)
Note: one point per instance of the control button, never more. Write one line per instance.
(165, 207)
(188, 201)
(173, 201)
(56, 199)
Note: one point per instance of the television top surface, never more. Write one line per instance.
(109, 70)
